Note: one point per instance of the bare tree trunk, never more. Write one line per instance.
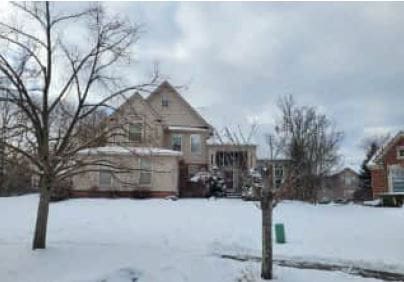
(266, 208)
(42, 217)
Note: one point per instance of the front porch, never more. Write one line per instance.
(392, 199)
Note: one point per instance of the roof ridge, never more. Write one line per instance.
(167, 84)
(384, 148)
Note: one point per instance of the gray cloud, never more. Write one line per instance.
(239, 58)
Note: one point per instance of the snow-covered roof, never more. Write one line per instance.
(139, 151)
(374, 161)
(186, 128)
(346, 169)
(228, 138)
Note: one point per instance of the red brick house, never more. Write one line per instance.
(387, 167)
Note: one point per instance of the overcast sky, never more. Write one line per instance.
(237, 59)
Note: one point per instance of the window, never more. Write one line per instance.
(396, 178)
(135, 132)
(349, 180)
(176, 142)
(278, 171)
(196, 143)
(105, 178)
(400, 153)
(145, 171)
(278, 183)
(164, 102)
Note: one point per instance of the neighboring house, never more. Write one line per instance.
(387, 167)
(337, 186)
(340, 186)
(233, 158)
(279, 172)
(160, 141)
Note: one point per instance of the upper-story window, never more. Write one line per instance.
(400, 153)
(176, 142)
(196, 145)
(278, 171)
(135, 132)
(164, 101)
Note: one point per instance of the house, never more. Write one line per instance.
(157, 144)
(387, 168)
(279, 172)
(340, 185)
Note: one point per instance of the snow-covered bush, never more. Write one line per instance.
(252, 186)
(213, 180)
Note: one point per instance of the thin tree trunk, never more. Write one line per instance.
(266, 208)
(42, 217)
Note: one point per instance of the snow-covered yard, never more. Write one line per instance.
(174, 241)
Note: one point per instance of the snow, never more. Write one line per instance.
(139, 151)
(173, 241)
(224, 137)
(187, 129)
(373, 203)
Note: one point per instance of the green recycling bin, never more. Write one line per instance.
(280, 233)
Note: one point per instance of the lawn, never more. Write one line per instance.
(174, 241)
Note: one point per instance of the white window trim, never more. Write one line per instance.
(398, 153)
(151, 172)
(142, 133)
(200, 144)
(163, 100)
(172, 143)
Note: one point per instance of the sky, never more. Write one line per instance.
(237, 59)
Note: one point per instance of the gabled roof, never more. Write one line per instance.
(165, 84)
(138, 97)
(346, 169)
(378, 156)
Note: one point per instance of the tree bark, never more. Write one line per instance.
(266, 208)
(39, 241)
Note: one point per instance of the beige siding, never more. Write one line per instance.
(136, 110)
(178, 112)
(164, 176)
(188, 156)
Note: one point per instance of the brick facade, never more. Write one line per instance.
(379, 182)
(126, 194)
(379, 170)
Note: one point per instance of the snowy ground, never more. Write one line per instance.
(176, 241)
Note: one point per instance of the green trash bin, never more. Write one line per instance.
(280, 233)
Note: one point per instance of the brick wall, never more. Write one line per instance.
(379, 182)
(380, 176)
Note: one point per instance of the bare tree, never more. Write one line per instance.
(44, 71)
(311, 145)
(270, 197)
